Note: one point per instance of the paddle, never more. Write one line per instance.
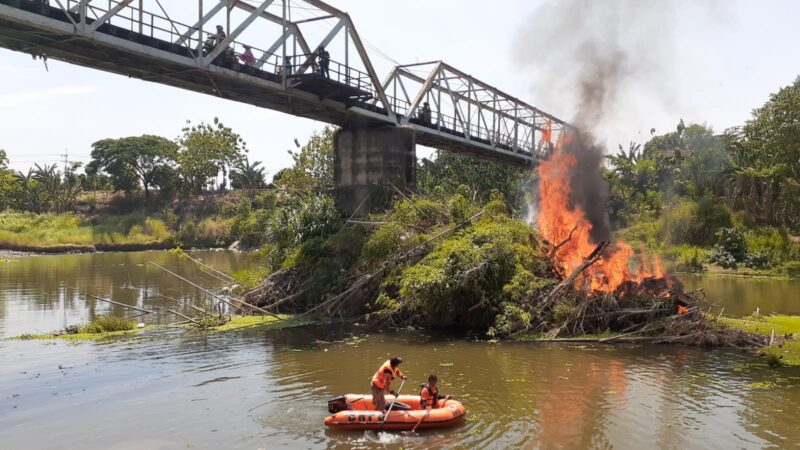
(427, 413)
(421, 419)
(392, 405)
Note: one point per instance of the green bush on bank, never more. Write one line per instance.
(688, 258)
(108, 324)
(694, 222)
(472, 278)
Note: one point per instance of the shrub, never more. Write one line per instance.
(247, 226)
(459, 208)
(311, 216)
(688, 258)
(212, 231)
(422, 214)
(723, 259)
(696, 223)
(645, 233)
(106, 324)
(510, 320)
(732, 241)
(792, 269)
(768, 245)
(383, 242)
(463, 279)
(758, 260)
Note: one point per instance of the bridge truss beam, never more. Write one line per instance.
(446, 107)
(479, 112)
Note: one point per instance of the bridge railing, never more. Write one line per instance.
(453, 102)
(451, 124)
(167, 30)
(337, 71)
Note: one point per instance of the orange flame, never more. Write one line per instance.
(566, 225)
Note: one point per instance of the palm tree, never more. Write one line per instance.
(248, 176)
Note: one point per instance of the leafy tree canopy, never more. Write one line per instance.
(451, 173)
(313, 164)
(205, 151)
(134, 161)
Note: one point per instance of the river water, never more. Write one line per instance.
(250, 390)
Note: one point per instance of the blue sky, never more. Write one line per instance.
(724, 59)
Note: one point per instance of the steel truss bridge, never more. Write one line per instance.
(447, 108)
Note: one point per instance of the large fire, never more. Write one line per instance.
(565, 225)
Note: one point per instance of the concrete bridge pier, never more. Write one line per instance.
(368, 159)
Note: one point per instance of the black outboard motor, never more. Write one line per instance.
(338, 404)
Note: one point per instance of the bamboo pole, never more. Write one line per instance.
(181, 315)
(216, 296)
(119, 304)
(189, 305)
(200, 263)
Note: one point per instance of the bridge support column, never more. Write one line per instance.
(367, 160)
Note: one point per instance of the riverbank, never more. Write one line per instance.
(237, 323)
(784, 333)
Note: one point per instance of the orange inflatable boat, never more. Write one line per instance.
(354, 412)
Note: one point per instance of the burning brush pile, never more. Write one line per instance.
(605, 286)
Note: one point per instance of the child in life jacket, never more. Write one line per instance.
(429, 395)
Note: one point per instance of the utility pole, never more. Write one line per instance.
(65, 157)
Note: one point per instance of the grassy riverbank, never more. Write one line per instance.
(125, 224)
(59, 233)
(784, 352)
(100, 329)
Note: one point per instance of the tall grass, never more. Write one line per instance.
(24, 229)
(106, 324)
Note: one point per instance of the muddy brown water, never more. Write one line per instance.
(245, 390)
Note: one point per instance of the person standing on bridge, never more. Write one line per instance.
(425, 114)
(324, 61)
(247, 58)
(220, 36)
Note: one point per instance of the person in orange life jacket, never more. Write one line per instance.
(429, 395)
(382, 381)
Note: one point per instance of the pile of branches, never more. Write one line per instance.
(560, 306)
(656, 310)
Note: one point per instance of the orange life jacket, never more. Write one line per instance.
(385, 375)
(429, 396)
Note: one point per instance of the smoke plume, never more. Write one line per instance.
(590, 56)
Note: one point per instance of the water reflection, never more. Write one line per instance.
(46, 293)
(267, 390)
(173, 389)
(741, 296)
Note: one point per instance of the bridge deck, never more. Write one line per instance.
(31, 27)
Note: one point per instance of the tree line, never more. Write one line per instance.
(727, 191)
(207, 156)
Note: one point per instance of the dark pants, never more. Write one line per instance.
(378, 398)
(323, 70)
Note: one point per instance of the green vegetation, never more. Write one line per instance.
(108, 324)
(708, 201)
(102, 327)
(66, 231)
(133, 161)
(137, 192)
(785, 353)
(450, 263)
(261, 323)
